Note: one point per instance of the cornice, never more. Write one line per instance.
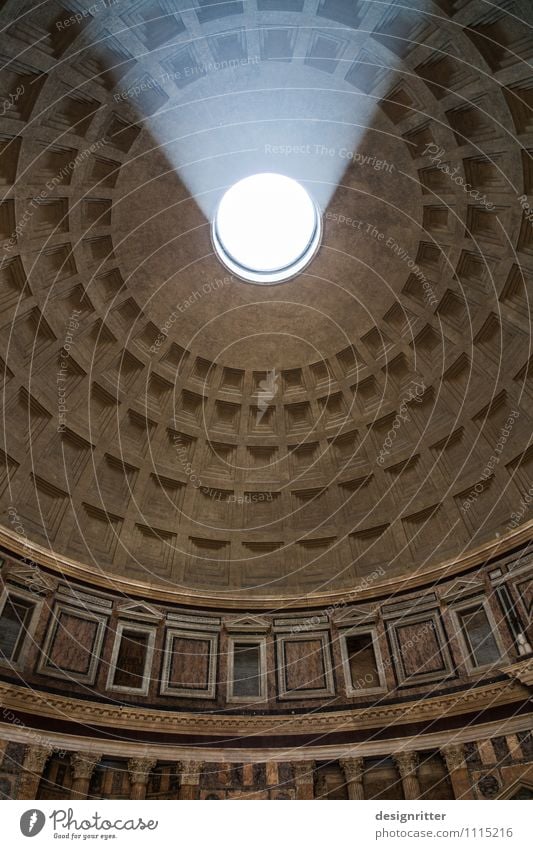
(186, 753)
(522, 670)
(65, 708)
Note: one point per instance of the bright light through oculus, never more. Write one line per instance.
(266, 228)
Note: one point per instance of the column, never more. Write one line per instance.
(272, 776)
(513, 744)
(139, 770)
(454, 757)
(3, 747)
(190, 775)
(486, 752)
(304, 779)
(248, 774)
(34, 763)
(353, 775)
(82, 765)
(407, 763)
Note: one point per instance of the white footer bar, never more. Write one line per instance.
(276, 825)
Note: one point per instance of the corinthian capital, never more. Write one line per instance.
(83, 763)
(453, 755)
(190, 772)
(36, 757)
(140, 768)
(353, 768)
(407, 762)
(303, 771)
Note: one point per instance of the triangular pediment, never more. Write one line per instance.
(139, 610)
(29, 576)
(462, 589)
(248, 624)
(354, 615)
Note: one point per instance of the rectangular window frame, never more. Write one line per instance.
(168, 689)
(456, 611)
(430, 615)
(84, 613)
(343, 640)
(26, 639)
(300, 695)
(248, 640)
(138, 628)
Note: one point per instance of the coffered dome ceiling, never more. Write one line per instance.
(171, 424)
